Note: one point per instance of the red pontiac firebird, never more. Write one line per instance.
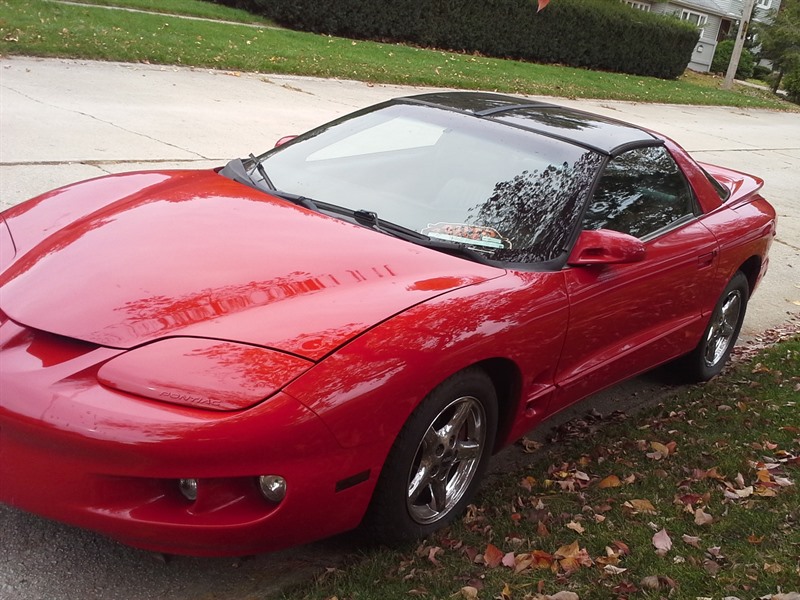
(341, 331)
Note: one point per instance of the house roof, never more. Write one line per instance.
(708, 6)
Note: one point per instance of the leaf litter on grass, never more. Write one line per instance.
(687, 501)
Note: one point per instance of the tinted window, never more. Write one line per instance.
(723, 192)
(509, 194)
(641, 192)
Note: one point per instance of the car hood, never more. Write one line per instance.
(196, 254)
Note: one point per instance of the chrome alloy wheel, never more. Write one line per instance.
(723, 328)
(446, 460)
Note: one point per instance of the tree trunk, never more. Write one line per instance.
(776, 81)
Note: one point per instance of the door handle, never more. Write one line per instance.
(706, 260)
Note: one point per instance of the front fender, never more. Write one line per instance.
(366, 391)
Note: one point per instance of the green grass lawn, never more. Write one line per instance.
(712, 472)
(44, 28)
(189, 8)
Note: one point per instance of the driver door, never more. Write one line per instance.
(628, 318)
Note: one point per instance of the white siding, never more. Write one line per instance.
(704, 50)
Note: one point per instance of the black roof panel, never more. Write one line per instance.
(603, 134)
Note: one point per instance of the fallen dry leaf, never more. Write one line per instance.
(733, 494)
(506, 593)
(691, 540)
(659, 447)
(530, 446)
(542, 559)
(702, 518)
(432, 555)
(563, 595)
(612, 570)
(640, 506)
(469, 593)
(522, 562)
(713, 474)
(621, 547)
(577, 527)
(541, 530)
(572, 557)
(755, 540)
(662, 542)
(492, 556)
(655, 582)
(611, 481)
(711, 567)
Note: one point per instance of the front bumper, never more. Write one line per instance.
(77, 452)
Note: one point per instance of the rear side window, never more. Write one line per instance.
(723, 192)
(642, 192)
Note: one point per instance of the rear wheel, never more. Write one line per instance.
(709, 357)
(434, 468)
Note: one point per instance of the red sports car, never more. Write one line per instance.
(341, 331)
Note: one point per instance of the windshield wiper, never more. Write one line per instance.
(236, 170)
(370, 219)
(296, 199)
(260, 168)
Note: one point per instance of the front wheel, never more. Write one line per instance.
(709, 357)
(435, 465)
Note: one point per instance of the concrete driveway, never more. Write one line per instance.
(63, 120)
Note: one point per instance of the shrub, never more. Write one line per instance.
(596, 34)
(761, 72)
(791, 83)
(722, 57)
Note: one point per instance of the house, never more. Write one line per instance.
(716, 19)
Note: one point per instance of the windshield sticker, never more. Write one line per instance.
(473, 235)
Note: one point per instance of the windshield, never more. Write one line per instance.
(509, 194)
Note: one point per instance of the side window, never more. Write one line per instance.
(641, 192)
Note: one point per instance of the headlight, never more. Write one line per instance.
(201, 373)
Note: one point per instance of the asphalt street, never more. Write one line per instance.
(64, 120)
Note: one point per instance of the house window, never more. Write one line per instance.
(765, 4)
(645, 7)
(695, 18)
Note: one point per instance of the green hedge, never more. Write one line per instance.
(596, 34)
(791, 83)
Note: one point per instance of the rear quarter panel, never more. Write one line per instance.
(744, 224)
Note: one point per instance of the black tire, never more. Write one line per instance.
(435, 465)
(712, 352)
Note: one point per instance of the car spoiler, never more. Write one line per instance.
(743, 188)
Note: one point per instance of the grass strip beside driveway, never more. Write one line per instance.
(188, 8)
(43, 28)
(696, 499)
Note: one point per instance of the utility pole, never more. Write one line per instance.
(744, 24)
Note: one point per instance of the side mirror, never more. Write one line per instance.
(605, 247)
(284, 139)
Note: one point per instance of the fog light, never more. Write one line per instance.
(188, 488)
(272, 487)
